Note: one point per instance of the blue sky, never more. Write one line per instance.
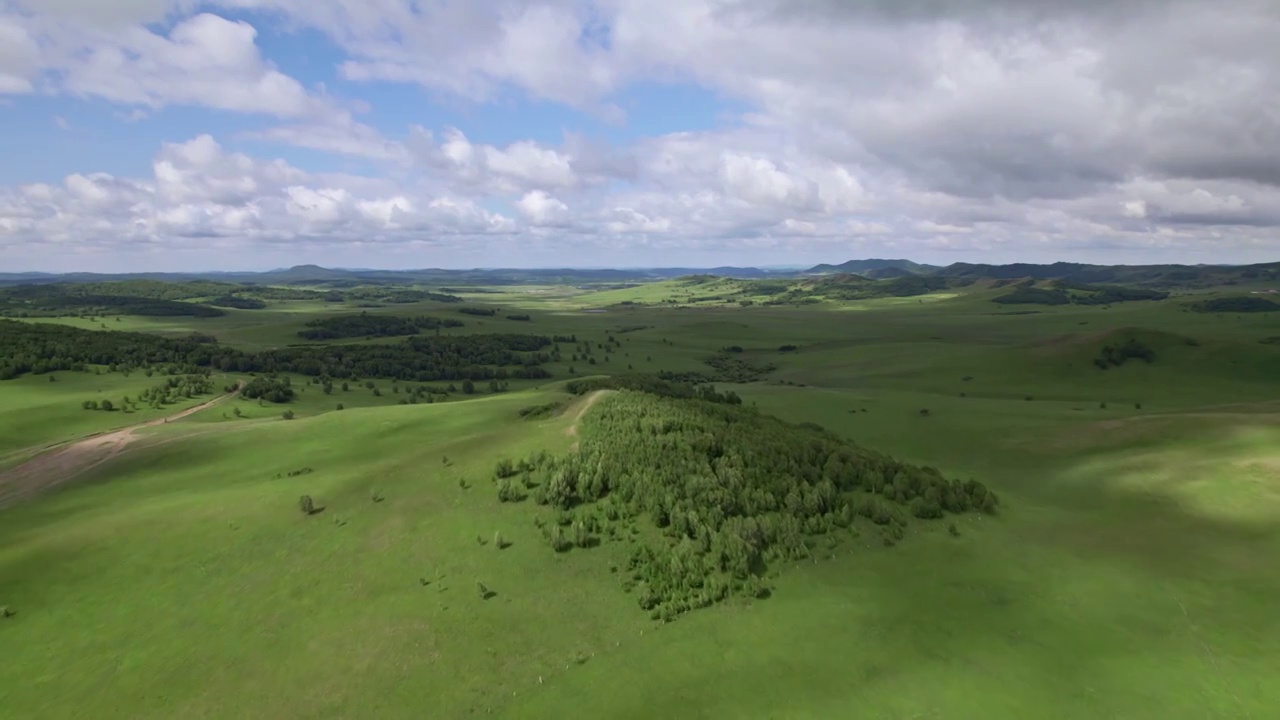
(158, 134)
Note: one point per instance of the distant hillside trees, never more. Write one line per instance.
(176, 389)
(60, 300)
(1067, 293)
(41, 348)
(1117, 355)
(399, 296)
(272, 389)
(1236, 305)
(481, 312)
(366, 325)
(237, 302)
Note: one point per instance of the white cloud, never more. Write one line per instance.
(542, 210)
(1001, 126)
(203, 60)
(19, 57)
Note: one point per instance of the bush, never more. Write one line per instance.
(287, 415)
(307, 505)
(505, 468)
(508, 491)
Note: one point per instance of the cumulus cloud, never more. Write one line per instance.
(198, 191)
(204, 60)
(1015, 128)
(542, 210)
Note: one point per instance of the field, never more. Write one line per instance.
(1128, 573)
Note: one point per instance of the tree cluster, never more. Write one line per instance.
(399, 296)
(237, 302)
(1065, 292)
(729, 491)
(654, 385)
(366, 325)
(274, 389)
(43, 347)
(478, 311)
(1236, 305)
(1117, 355)
(176, 389)
(60, 300)
(731, 369)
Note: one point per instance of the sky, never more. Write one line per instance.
(253, 134)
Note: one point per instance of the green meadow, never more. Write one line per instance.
(1128, 573)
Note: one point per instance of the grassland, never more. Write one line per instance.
(1129, 573)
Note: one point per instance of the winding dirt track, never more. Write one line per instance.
(62, 463)
(572, 430)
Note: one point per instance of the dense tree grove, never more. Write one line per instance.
(41, 348)
(481, 312)
(60, 299)
(654, 385)
(1236, 305)
(237, 302)
(1064, 292)
(366, 325)
(398, 296)
(1117, 355)
(271, 388)
(730, 489)
(729, 368)
(176, 389)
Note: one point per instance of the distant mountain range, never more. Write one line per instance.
(869, 268)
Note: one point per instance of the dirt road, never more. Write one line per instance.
(592, 399)
(64, 462)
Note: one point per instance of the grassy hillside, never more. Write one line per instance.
(1126, 573)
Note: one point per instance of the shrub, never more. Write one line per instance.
(508, 491)
(287, 415)
(307, 505)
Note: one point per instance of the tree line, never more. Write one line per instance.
(1065, 292)
(60, 300)
(366, 325)
(42, 347)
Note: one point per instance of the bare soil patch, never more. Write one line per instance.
(64, 462)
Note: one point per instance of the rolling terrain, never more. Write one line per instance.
(1125, 571)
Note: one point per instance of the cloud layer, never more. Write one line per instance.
(1014, 130)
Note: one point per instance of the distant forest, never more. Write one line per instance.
(181, 299)
(41, 348)
(366, 325)
(1074, 293)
